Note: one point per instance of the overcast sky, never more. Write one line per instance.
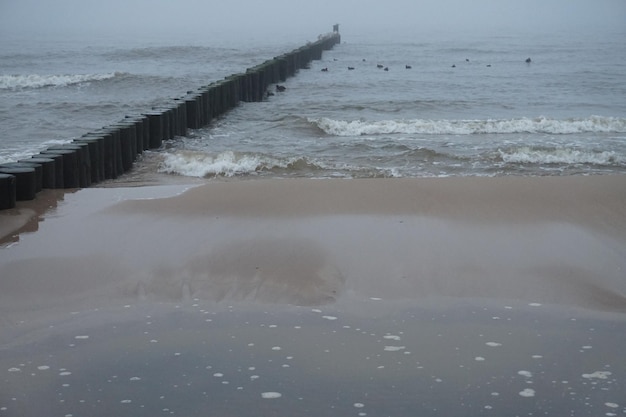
(314, 16)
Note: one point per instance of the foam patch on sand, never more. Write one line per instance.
(271, 395)
(528, 392)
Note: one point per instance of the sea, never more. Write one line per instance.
(402, 104)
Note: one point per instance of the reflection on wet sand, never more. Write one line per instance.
(258, 270)
(25, 217)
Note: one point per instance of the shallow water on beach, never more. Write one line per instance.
(237, 309)
(364, 357)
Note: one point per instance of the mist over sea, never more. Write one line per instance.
(470, 105)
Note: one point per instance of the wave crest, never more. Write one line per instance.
(229, 164)
(32, 81)
(592, 124)
(530, 155)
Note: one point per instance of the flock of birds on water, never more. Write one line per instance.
(384, 68)
(281, 88)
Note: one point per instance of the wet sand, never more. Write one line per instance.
(391, 297)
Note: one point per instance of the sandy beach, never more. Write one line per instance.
(396, 257)
(309, 242)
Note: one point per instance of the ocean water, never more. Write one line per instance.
(469, 104)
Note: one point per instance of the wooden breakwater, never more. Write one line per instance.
(111, 151)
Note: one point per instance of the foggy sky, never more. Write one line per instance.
(313, 16)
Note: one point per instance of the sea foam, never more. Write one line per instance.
(228, 164)
(592, 124)
(532, 155)
(18, 82)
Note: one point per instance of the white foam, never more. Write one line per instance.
(479, 359)
(394, 348)
(612, 405)
(358, 405)
(531, 155)
(14, 370)
(591, 124)
(528, 392)
(391, 337)
(493, 344)
(81, 337)
(226, 164)
(597, 375)
(18, 82)
(43, 367)
(329, 317)
(271, 395)
(526, 374)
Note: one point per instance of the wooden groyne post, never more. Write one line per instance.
(109, 152)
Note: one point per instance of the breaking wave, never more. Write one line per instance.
(229, 164)
(530, 155)
(32, 81)
(592, 124)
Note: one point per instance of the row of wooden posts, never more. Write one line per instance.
(111, 151)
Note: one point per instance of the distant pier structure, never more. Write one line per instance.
(111, 151)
